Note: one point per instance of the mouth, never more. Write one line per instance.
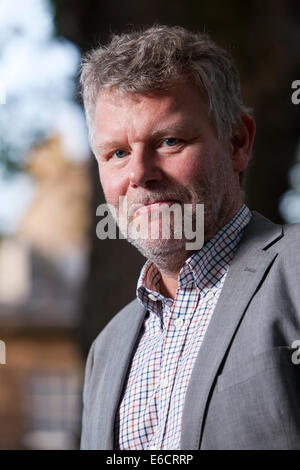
(154, 206)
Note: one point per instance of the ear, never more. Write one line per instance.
(241, 142)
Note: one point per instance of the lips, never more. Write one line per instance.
(153, 206)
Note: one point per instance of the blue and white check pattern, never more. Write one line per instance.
(150, 412)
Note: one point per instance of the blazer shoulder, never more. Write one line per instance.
(289, 248)
(292, 232)
(289, 244)
(281, 237)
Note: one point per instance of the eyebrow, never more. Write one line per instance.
(184, 126)
(106, 146)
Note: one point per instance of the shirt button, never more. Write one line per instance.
(210, 295)
(152, 297)
(178, 322)
(164, 383)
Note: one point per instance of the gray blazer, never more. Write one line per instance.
(244, 391)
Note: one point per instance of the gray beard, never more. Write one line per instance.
(169, 255)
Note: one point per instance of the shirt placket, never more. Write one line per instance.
(154, 442)
(182, 323)
(175, 332)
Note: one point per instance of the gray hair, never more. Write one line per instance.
(155, 59)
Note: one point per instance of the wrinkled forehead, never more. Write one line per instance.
(182, 97)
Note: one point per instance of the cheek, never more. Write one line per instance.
(113, 184)
(190, 169)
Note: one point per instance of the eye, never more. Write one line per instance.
(171, 142)
(119, 154)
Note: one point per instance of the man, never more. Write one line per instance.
(203, 357)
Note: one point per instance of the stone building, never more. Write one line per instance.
(42, 270)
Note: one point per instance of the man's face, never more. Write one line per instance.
(163, 147)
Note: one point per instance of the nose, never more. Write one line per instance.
(143, 168)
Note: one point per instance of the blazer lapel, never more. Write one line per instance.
(244, 276)
(109, 392)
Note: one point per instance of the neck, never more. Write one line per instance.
(168, 287)
(171, 268)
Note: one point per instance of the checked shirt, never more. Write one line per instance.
(150, 412)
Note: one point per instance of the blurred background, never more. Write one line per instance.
(59, 284)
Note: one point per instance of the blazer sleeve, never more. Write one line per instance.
(85, 442)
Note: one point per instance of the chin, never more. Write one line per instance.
(154, 249)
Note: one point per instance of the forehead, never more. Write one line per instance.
(131, 112)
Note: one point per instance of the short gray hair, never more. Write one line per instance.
(155, 59)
